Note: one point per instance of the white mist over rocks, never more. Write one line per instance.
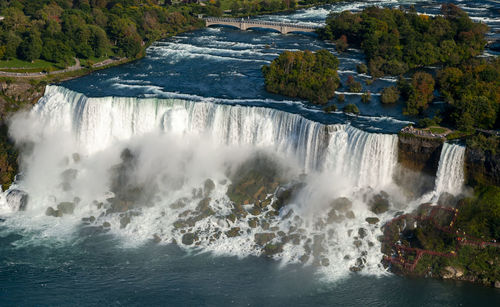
(163, 170)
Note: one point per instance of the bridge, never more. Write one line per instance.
(245, 24)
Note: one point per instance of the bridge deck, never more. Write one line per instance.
(245, 24)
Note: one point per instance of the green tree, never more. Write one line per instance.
(31, 47)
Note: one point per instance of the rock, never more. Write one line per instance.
(362, 233)
(317, 246)
(124, 221)
(189, 238)
(354, 269)
(106, 225)
(17, 199)
(497, 284)
(231, 217)
(333, 217)
(253, 222)
(178, 204)
(265, 225)
(325, 262)
(89, 219)
(156, 238)
(350, 215)
(372, 220)
(419, 153)
(272, 249)
(262, 238)
(447, 200)
(255, 210)
(208, 187)
(357, 243)
(51, 212)
(379, 203)
(341, 204)
(66, 207)
(451, 272)
(233, 232)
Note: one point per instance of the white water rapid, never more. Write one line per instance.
(172, 182)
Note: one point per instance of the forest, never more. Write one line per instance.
(304, 74)
(57, 31)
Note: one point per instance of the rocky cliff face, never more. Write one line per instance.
(14, 96)
(419, 154)
(482, 167)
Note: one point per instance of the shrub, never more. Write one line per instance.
(351, 108)
(366, 97)
(389, 95)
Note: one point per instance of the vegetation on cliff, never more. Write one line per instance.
(396, 40)
(305, 74)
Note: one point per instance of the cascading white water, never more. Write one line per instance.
(450, 173)
(364, 159)
(77, 144)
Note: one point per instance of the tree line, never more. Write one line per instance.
(59, 30)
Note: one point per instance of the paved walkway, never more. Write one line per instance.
(75, 67)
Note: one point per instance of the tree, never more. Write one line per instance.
(31, 47)
(422, 88)
(389, 95)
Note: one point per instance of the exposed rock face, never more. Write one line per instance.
(419, 153)
(482, 167)
(14, 96)
(452, 272)
(17, 200)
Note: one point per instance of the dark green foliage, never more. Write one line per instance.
(304, 74)
(389, 95)
(361, 68)
(472, 91)
(353, 85)
(330, 108)
(60, 30)
(395, 40)
(429, 122)
(351, 108)
(366, 97)
(480, 216)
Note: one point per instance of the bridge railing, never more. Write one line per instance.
(258, 22)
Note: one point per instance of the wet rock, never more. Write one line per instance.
(325, 262)
(231, 217)
(253, 222)
(233, 232)
(294, 238)
(51, 212)
(354, 269)
(362, 233)
(262, 238)
(333, 217)
(350, 215)
(180, 224)
(90, 219)
(341, 204)
(447, 200)
(255, 210)
(239, 211)
(273, 249)
(347, 257)
(66, 207)
(17, 200)
(372, 220)
(265, 225)
(106, 225)
(124, 221)
(189, 238)
(452, 272)
(379, 203)
(156, 238)
(317, 246)
(178, 204)
(208, 187)
(357, 243)
(497, 284)
(304, 258)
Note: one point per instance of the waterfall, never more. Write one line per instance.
(365, 159)
(450, 173)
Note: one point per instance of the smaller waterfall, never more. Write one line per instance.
(450, 174)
